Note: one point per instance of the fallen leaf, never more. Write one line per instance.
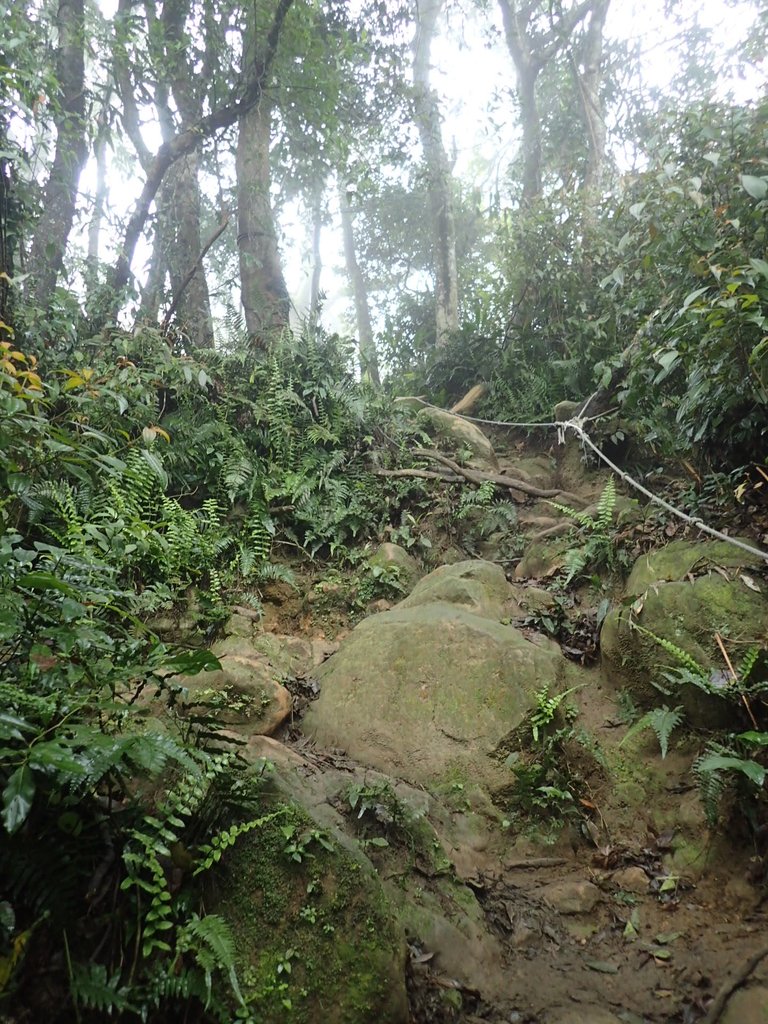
(602, 966)
(749, 582)
(664, 938)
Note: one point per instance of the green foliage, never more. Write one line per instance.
(599, 548)
(733, 764)
(663, 721)
(544, 780)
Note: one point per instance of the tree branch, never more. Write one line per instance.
(177, 297)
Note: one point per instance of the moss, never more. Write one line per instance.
(316, 937)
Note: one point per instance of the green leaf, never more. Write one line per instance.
(155, 465)
(17, 798)
(715, 763)
(40, 580)
(189, 663)
(759, 267)
(759, 739)
(757, 187)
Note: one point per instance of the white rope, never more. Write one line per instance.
(577, 425)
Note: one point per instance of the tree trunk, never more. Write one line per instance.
(317, 260)
(369, 362)
(183, 244)
(60, 196)
(182, 250)
(262, 286)
(589, 80)
(439, 183)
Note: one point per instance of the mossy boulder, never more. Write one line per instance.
(430, 691)
(459, 432)
(666, 599)
(315, 934)
(394, 557)
(679, 558)
(243, 695)
(475, 585)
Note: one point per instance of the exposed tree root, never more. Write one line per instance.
(729, 987)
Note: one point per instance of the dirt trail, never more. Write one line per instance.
(606, 924)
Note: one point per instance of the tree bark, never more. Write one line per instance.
(188, 283)
(60, 195)
(530, 51)
(262, 285)
(439, 183)
(589, 81)
(369, 362)
(186, 141)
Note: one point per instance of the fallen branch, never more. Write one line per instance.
(425, 474)
(551, 531)
(534, 862)
(478, 476)
(729, 987)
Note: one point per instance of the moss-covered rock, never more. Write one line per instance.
(243, 695)
(681, 557)
(315, 934)
(686, 612)
(477, 586)
(431, 692)
(392, 556)
(458, 431)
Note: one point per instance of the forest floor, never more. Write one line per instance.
(593, 921)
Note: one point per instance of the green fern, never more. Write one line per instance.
(93, 989)
(599, 548)
(663, 721)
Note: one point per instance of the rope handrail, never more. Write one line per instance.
(577, 425)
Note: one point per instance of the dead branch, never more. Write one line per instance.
(425, 474)
(478, 476)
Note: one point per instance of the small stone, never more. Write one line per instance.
(571, 897)
(632, 879)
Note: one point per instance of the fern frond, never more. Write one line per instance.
(93, 989)
(663, 721)
(606, 506)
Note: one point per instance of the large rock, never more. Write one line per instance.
(389, 556)
(317, 938)
(245, 694)
(474, 585)
(460, 432)
(688, 610)
(430, 690)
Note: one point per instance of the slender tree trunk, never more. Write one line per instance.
(100, 195)
(530, 123)
(262, 285)
(60, 196)
(317, 260)
(193, 303)
(369, 361)
(589, 81)
(427, 116)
